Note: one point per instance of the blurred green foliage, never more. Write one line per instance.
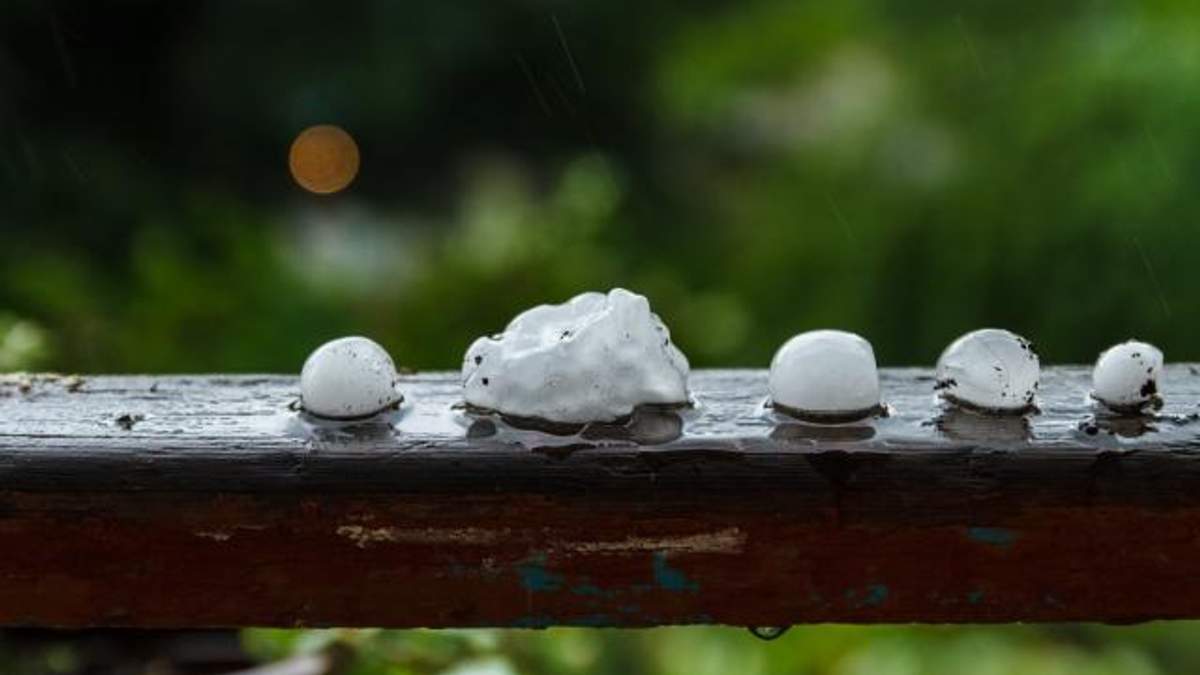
(908, 170)
(816, 650)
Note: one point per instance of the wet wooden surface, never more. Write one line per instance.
(205, 501)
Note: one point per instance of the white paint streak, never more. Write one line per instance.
(729, 540)
(364, 537)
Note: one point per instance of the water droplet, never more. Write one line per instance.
(768, 633)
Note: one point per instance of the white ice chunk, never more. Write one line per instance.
(593, 358)
(990, 369)
(825, 374)
(1126, 376)
(347, 378)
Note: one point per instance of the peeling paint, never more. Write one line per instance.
(545, 621)
(535, 578)
(534, 621)
(993, 536)
(873, 595)
(975, 597)
(728, 540)
(215, 535)
(591, 620)
(669, 578)
(364, 536)
(588, 589)
(876, 595)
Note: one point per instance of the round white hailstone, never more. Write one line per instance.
(348, 378)
(593, 358)
(991, 370)
(825, 375)
(1126, 376)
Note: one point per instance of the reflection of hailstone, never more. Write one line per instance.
(1126, 376)
(348, 378)
(825, 375)
(991, 370)
(593, 358)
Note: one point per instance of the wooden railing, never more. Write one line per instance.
(206, 501)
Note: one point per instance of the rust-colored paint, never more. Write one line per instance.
(170, 560)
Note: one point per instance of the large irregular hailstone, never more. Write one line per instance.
(348, 378)
(992, 370)
(825, 375)
(593, 358)
(1126, 376)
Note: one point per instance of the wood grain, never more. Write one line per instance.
(206, 501)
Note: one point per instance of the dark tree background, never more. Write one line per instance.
(906, 170)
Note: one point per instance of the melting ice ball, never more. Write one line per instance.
(348, 378)
(593, 358)
(1126, 376)
(991, 370)
(825, 375)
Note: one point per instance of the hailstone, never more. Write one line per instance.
(593, 358)
(992, 370)
(825, 375)
(348, 378)
(1126, 376)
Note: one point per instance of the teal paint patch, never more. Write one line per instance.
(992, 536)
(535, 577)
(669, 578)
(588, 589)
(875, 595)
(546, 621)
(872, 596)
(591, 620)
(533, 621)
(975, 597)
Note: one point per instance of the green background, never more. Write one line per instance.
(906, 170)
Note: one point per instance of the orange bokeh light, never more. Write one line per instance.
(324, 159)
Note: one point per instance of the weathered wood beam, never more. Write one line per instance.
(204, 501)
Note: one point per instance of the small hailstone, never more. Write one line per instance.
(990, 369)
(825, 375)
(1126, 376)
(593, 358)
(348, 378)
